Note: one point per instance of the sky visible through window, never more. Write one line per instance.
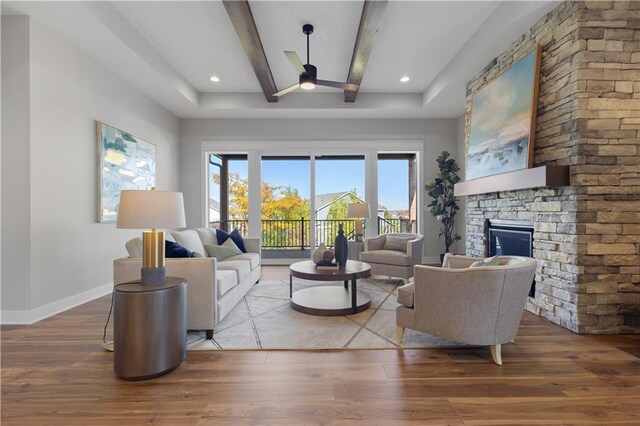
(333, 176)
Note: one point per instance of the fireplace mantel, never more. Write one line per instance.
(543, 176)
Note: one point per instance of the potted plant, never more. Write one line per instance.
(443, 203)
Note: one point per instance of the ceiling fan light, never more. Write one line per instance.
(308, 85)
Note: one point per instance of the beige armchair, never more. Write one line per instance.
(395, 256)
(476, 306)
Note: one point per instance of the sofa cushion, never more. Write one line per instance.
(207, 236)
(226, 280)
(253, 258)
(234, 235)
(190, 240)
(405, 295)
(388, 257)
(241, 267)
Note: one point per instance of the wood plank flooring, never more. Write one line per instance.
(55, 373)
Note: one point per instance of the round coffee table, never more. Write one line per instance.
(329, 300)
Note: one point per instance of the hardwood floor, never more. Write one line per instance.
(56, 373)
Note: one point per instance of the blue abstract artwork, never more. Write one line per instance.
(126, 162)
(502, 120)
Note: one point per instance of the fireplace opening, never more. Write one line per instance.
(506, 238)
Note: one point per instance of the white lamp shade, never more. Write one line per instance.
(358, 210)
(141, 209)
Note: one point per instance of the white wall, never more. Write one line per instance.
(437, 135)
(70, 254)
(461, 157)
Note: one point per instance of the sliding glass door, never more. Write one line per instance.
(339, 180)
(397, 194)
(286, 217)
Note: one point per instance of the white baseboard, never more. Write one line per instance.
(53, 308)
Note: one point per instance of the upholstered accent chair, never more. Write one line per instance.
(393, 255)
(478, 306)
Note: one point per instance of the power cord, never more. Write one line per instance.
(108, 345)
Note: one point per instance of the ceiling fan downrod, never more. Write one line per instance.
(308, 30)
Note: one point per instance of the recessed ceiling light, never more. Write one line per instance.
(215, 79)
(404, 79)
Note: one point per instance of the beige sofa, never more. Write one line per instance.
(213, 288)
(477, 306)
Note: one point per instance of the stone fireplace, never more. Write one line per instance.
(554, 246)
(585, 235)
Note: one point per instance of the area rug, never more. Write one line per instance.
(264, 319)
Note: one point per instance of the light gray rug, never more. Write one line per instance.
(265, 320)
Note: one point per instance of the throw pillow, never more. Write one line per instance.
(490, 261)
(397, 243)
(189, 239)
(235, 235)
(197, 254)
(224, 251)
(172, 249)
(207, 236)
(134, 247)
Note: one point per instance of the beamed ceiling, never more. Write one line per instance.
(170, 49)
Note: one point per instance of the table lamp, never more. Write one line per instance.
(358, 211)
(151, 209)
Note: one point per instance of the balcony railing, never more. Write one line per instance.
(295, 233)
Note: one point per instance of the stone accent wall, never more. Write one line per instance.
(585, 235)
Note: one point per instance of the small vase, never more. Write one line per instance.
(318, 253)
(341, 247)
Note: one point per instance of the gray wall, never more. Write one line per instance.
(460, 156)
(49, 169)
(437, 134)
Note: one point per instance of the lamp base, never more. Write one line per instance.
(153, 276)
(359, 232)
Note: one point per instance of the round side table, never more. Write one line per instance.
(149, 328)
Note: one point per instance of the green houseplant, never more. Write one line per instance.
(443, 203)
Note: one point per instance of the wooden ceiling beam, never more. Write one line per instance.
(370, 21)
(242, 19)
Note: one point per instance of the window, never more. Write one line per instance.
(228, 192)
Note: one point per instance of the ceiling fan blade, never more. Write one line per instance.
(295, 60)
(287, 90)
(337, 85)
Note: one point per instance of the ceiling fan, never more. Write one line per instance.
(308, 73)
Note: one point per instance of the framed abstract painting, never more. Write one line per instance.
(126, 162)
(503, 120)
